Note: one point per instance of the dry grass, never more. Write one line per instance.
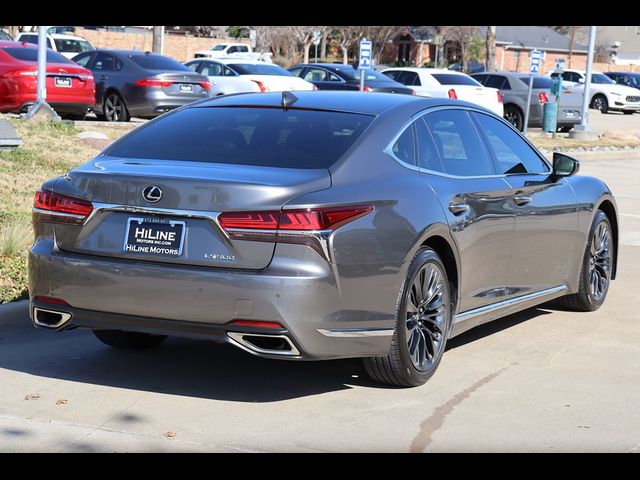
(619, 138)
(15, 237)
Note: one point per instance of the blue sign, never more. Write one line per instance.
(536, 58)
(365, 54)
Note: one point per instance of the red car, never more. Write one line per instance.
(71, 90)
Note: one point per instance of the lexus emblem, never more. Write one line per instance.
(152, 193)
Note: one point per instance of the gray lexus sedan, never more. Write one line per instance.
(318, 225)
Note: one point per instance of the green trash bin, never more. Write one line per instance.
(550, 117)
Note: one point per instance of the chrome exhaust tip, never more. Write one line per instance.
(264, 344)
(49, 318)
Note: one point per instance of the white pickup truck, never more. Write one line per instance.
(234, 50)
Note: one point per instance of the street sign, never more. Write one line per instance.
(317, 35)
(365, 54)
(536, 58)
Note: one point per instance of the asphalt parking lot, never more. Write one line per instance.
(542, 380)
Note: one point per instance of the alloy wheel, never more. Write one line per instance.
(114, 108)
(514, 118)
(600, 262)
(426, 317)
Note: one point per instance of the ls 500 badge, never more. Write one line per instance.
(219, 257)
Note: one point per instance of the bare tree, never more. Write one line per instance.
(346, 36)
(380, 37)
(491, 49)
(304, 36)
(463, 36)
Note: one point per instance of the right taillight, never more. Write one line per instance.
(543, 98)
(263, 88)
(63, 207)
(452, 93)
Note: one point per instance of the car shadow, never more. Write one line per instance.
(194, 368)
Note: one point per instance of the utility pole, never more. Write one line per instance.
(158, 33)
(571, 39)
(491, 49)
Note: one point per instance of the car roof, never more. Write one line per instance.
(232, 60)
(346, 101)
(14, 44)
(426, 70)
(66, 36)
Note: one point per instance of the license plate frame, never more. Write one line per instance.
(63, 82)
(155, 237)
(186, 88)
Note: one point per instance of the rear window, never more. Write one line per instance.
(270, 137)
(31, 55)
(157, 62)
(266, 69)
(453, 79)
(72, 46)
(538, 82)
(370, 75)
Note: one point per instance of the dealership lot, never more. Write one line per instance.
(541, 380)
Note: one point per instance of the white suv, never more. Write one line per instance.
(67, 45)
(604, 93)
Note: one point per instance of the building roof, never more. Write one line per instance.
(533, 38)
(629, 38)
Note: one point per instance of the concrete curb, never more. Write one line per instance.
(15, 314)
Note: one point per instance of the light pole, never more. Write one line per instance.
(584, 130)
(41, 98)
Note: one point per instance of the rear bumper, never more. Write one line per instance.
(297, 290)
(156, 103)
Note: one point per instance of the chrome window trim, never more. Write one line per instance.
(389, 148)
(58, 214)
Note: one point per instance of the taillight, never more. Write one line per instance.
(499, 96)
(263, 88)
(205, 85)
(256, 323)
(301, 220)
(313, 87)
(367, 89)
(153, 82)
(55, 203)
(55, 301)
(543, 98)
(413, 92)
(23, 72)
(452, 93)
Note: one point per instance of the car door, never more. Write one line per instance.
(103, 67)
(546, 227)
(475, 200)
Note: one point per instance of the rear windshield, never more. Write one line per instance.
(538, 82)
(72, 46)
(31, 55)
(453, 79)
(157, 62)
(370, 75)
(601, 78)
(259, 69)
(270, 137)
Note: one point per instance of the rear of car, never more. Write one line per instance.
(267, 77)
(202, 206)
(70, 87)
(569, 106)
(374, 81)
(463, 87)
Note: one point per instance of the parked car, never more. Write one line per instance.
(336, 76)
(140, 84)
(4, 36)
(234, 50)
(239, 76)
(472, 67)
(605, 94)
(437, 82)
(67, 45)
(514, 88)
(335, 224)
(70, 88)
(61, 29)
(630, 79)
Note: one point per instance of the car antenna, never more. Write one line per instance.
(288, 99)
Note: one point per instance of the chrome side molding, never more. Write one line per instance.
(356, 332)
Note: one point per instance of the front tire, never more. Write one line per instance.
(423, 323)
(601, 103)
(595, 273)
(129, 340)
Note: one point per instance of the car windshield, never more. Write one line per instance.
(455, 79)
(538, 82)
(31, 55)
(157, 62)
(601, 78)
(370, 75)
(218, 48)
(635, 79)
(260, 69)
(269, 137)
(72, 46)
(4, 35)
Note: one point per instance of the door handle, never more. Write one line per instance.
(521, 200)
(458, 208)
(104, 77)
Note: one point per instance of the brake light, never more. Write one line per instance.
(543, 98)
(55, 301)
(263, 88)
(499, 96)
(413, 92)
(205, 85)
(313, 87)
(256, 323)
(300, 220)
(452, 93)
(153, 82)
(22, 73)
(57, 203)
(367, 89)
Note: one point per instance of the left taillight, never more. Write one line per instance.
(499, 96)
(61, 207)
(543, 98)
(263, 88)
(205, 85)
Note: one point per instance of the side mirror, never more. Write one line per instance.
(564, 165)
(581, 80)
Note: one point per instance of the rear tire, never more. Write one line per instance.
(513, 115)
(596, 261)
(115, 109)
(129, 340)
(423, 323)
